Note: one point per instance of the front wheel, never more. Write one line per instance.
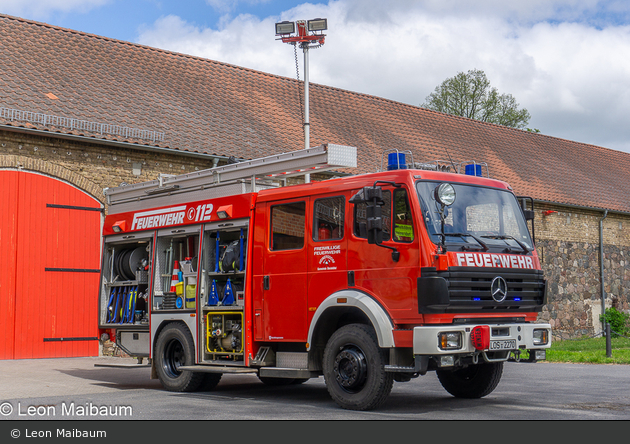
(354, 368)
(174, 349)
(474, 381)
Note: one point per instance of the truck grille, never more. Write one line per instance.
(469, 289)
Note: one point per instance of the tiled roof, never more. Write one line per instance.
(210, 107)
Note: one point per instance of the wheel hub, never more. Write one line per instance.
(174, 358)
(350, 368)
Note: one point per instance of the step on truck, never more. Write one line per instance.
(362, 279)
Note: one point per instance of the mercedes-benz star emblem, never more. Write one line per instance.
(498, 289)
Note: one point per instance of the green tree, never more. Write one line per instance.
(471, 95)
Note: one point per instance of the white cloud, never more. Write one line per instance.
(225, 6)
(563, 60)
(41, 9)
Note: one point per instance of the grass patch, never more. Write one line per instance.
(590, 350)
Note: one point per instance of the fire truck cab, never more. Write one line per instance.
(365, 279)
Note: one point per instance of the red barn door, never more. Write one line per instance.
(51, 232)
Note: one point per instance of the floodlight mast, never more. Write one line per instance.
(309, 36)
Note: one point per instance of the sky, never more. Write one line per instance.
(566, 61)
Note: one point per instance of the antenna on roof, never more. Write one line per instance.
(449, 158)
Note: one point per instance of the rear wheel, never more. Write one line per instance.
(174, 349)
(354, 368)
(474, 381)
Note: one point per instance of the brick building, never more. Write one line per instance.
(80, 112)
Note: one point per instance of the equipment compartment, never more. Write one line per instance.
(222, 292)
(175, 282)
(224, 334)
(124, 285)
(223, 266)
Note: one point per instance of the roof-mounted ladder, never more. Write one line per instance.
(233, 176)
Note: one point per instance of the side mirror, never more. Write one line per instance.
(368, 194)
(372, 197)
(374, 224)
(528, 214)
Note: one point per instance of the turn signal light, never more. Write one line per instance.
(480, 336)
(541, 336)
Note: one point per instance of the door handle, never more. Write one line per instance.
(266, 283)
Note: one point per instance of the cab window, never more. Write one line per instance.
(328, 217)
(288, 225)
(403, 224)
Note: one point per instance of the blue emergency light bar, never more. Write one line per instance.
(473, 169)
(396, 161)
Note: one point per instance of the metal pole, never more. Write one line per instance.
(306, 108)
(608, 342)
(307, 142)
(601, 267)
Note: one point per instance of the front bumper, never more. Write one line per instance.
(426, 338)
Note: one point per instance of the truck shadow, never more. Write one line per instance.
(120, 379)
(406, 402)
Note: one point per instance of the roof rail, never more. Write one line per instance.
(470, 167)
(296, 163)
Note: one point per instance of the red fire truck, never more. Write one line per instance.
(364, 279)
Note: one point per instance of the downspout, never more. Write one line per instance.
(601, 266)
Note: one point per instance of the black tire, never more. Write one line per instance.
(474, 381)
(174, 348)
(275, 382)
(210, 381)
(354, 368)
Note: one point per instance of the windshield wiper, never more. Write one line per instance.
(465, 247)
(506, 237)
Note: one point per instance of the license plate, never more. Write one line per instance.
(507, 344)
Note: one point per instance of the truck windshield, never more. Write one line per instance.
(480, 219)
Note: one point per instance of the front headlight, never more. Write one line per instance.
(450, 340)
(541, 336)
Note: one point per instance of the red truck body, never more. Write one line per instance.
(348, 278)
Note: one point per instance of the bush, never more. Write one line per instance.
(618, 320)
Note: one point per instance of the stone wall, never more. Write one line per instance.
(567, 240)
(90, 167)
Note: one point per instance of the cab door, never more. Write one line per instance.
(282, 307)
(328, 249)
(393, 283)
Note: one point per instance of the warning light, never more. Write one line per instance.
(480, 336)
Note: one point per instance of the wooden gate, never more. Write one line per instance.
(49, 268)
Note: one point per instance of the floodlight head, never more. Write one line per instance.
(285, 27)
(119, 226)
(225, 212)
(318, 24)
